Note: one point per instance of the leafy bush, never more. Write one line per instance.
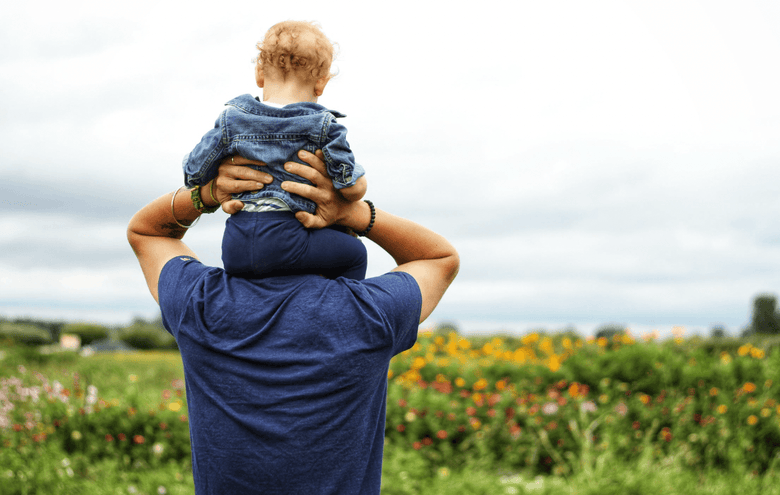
(147, 336)
(87, 332)
(24, 333)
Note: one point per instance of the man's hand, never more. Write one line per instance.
(331, 206)
(235, 177)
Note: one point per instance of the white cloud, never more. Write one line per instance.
(619, 158)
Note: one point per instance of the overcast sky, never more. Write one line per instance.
(593, 162)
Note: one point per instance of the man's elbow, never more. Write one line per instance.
(452, 266)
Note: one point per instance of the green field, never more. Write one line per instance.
(537, 414)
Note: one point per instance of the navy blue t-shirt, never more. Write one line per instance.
(286, 377)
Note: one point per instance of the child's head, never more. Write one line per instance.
(296, 49)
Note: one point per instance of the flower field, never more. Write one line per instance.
(532, 414)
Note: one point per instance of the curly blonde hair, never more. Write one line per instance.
(296, 47)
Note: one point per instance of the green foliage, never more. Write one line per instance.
(609, 331)
(24, 333)
(142, 335)
(765, 317)
(612, 417)
(87, 332)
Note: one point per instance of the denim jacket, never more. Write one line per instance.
(248, 128)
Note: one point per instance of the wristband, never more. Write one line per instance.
(371, 223)
(197, 202)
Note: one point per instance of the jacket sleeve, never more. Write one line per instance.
(201, 164)
(339, 159)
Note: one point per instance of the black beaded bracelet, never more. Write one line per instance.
(371, 223)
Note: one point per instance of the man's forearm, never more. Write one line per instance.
(407, 241)
(164, 218)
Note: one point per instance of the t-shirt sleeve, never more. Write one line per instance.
(177, 280)
(398, 297)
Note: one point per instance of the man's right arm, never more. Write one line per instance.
(418, 251)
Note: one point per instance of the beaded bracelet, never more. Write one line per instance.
(371, 223)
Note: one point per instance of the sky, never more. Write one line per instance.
(594, 162)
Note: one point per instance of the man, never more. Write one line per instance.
(287, 376)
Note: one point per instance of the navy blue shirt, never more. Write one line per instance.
(286, 377)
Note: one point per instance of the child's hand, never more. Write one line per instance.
(356, 192)
(234, 178)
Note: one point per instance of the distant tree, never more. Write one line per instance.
(24, 333)
(88, 332)
(446, 329)
(765, 317)
(717, 332)
(610, 330)
(147, 335)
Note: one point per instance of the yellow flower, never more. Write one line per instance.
(546, 346)
(460, 382)
(766, 412)
(531, 338)
(418, 363)
(722, 409)
(481, 383)
(713, 391)
(752, 420)
(174, 406)
(744, 349)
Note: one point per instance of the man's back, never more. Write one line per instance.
(288, 374)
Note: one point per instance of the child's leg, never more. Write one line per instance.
(260, 244)
(333, 254)
(265, 244)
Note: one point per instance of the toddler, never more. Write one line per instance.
(265, 238)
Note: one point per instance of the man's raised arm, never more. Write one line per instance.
(155, 232)
(427, 256)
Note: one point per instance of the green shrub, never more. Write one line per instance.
(87, 332)
(24, 333)
(146, 337)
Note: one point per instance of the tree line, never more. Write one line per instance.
(150, 334)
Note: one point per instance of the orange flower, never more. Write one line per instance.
(749, 387)
(752, 420)
(722, 409)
